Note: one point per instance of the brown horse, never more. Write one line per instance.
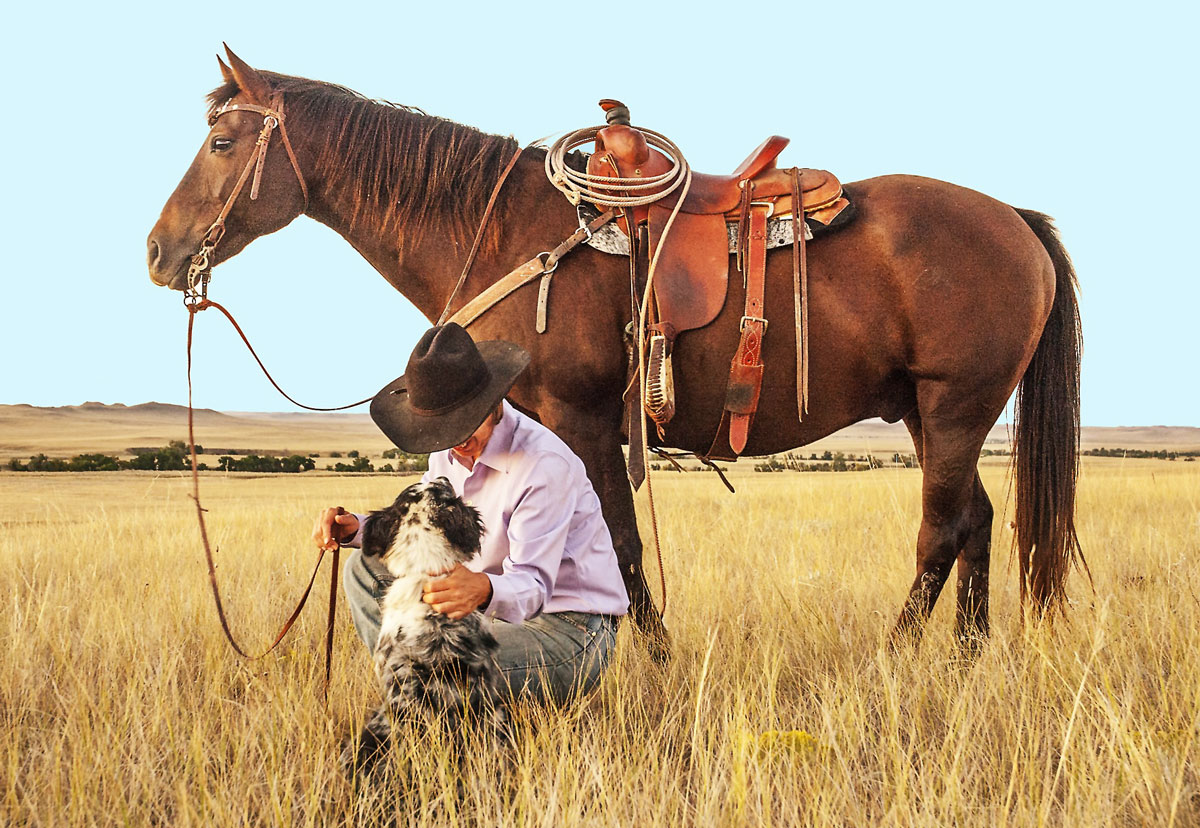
(931, 307)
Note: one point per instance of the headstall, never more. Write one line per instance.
(200, 269)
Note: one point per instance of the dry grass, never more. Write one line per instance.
(121, 704)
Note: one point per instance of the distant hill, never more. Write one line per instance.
(115, 428)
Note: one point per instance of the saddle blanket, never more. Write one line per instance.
(611, 239)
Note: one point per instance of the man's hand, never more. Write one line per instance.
(333, 526)
(458, 593)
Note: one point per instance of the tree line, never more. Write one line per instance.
(175, 456)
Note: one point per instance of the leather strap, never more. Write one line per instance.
(201, 265)
(568, 244)
(495, 292)
(272, 118)
(205, 304)
(800, 297)
(746, 369)
(526, 273)
(635, 465)
(208, 552)
(483, 222)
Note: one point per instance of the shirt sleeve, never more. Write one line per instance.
(356, 541)
(537, 539)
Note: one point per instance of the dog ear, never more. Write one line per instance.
(379, 531)
(462, 525)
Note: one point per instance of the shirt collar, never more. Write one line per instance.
(498, 451)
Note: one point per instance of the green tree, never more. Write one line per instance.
(94, 462)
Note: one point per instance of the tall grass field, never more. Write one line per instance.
(121, 704)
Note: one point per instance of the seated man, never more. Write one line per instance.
(546, 574)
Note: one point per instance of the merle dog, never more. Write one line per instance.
(434, 671)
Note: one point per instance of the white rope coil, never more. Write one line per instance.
(614, 192)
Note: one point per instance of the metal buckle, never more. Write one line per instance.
(583, 225)
(770, 205)
(548, 270)
(746, 319)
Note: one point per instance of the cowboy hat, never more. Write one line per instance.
(449, 388)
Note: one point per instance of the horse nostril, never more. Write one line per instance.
(152, 253)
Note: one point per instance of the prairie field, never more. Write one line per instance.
(122, 704)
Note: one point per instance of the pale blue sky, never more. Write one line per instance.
(1085, 111)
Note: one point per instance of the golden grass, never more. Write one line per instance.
(121, 704)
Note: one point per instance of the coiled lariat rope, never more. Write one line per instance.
(616, 192)
(626, 193)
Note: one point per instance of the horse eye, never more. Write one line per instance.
(221, 144)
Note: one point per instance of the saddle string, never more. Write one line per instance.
(800, 275)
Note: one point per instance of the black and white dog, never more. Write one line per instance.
(434, 671)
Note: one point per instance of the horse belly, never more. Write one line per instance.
(854, 348)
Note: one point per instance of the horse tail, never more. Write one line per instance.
(1046, 445)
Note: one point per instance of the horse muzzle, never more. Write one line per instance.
(166, 269)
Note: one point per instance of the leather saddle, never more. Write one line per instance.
(692, 276)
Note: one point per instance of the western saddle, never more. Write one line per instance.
(690, 279)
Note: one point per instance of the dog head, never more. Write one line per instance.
(426, 528)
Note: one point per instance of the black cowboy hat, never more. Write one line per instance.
(448, 390)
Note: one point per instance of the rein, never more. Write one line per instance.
(196, 300)
(193, 309)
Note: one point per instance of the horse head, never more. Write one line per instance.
(235, 190)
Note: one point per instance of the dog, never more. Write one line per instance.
(434, 671)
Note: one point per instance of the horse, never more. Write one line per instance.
(932, 306)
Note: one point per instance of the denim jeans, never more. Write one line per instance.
(552, 658)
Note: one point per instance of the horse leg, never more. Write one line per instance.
(971, 618)
(948, 452)
(597, 440)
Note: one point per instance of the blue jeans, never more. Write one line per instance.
(554, 657)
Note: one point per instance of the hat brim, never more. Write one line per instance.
(420, 432)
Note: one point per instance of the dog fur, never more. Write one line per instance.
(433, 671)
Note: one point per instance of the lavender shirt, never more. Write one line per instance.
(545, 546)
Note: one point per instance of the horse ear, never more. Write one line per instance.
(249, 80)
(226, 72)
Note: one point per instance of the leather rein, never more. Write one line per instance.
(196, 299)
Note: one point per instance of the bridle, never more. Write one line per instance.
(200, 269)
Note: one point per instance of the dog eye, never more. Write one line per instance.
(220, 144)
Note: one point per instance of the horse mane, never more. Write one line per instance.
(397, 167)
